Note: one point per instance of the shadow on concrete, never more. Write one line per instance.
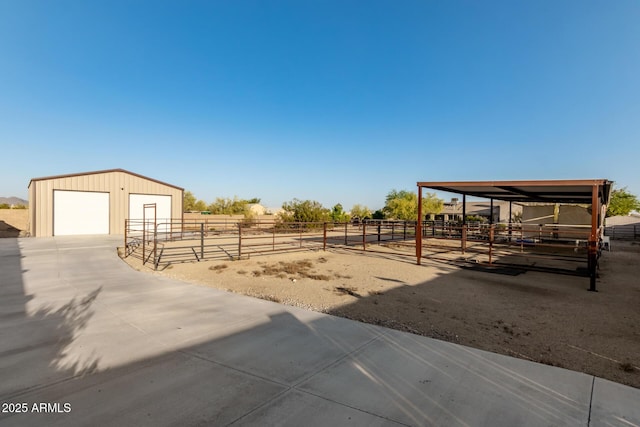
(35, 339)
(216, 382)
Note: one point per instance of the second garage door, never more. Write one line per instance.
(163, 207)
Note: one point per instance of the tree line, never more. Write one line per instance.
(220, 206)
(399, 205)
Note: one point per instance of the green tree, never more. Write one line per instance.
(227, 206)
(20, 206)
(4, 206)
(188, 201)
(622, 202)
(235, 206)
(304, 211)
(200, 206)
(379, 214)
(361, 212)
(338, 214)
(431, 204)
(403, 205)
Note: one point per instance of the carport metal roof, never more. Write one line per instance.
(548, 191)
(595, 192)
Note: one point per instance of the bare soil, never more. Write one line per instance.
(539, 316)
(7, 230)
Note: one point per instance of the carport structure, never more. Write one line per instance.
(594, 192)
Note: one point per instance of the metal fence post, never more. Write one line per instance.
(345, 234)
(144, 242)
(201, 241)
(463, 240)
(364, 236)
(155, 247)
(491, 229)
(239, 239)
(324, 237)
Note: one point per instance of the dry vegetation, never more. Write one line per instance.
(539, 316)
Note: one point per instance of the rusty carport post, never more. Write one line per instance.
(491, 214)
(463, 234)
(510, 219)
(491, 237)
(419, 227)
(464, 209)
(593, 238)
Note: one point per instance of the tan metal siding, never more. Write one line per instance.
(118, 184)
(32, 210)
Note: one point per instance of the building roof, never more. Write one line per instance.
(549, 191)
(456, 208)
(46, 178)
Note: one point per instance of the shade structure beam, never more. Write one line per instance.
(595, 192)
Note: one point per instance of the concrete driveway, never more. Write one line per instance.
(86, 340)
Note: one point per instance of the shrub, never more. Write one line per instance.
(304, 211)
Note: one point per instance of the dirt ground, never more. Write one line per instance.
(539, 316)
(7, 230)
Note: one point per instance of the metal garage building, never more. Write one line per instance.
(97, 202)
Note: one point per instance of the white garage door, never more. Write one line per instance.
(136, 207)
(80, 212)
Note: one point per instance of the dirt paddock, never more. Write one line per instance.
(539, 316)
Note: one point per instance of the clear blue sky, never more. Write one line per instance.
(336, 101)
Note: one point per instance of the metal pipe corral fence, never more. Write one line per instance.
(174, 240)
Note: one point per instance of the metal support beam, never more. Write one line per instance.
(491, 214)
(510, 219)
(419, 227)
(464, 209)
(593, 238)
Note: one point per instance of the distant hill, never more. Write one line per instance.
(13, 201)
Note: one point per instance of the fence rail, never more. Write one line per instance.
(623, 232)
(163, 242)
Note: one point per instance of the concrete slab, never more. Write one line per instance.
(170, 390)
(614, 404)
(292, 407)
(419, 381)
(287, 349)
